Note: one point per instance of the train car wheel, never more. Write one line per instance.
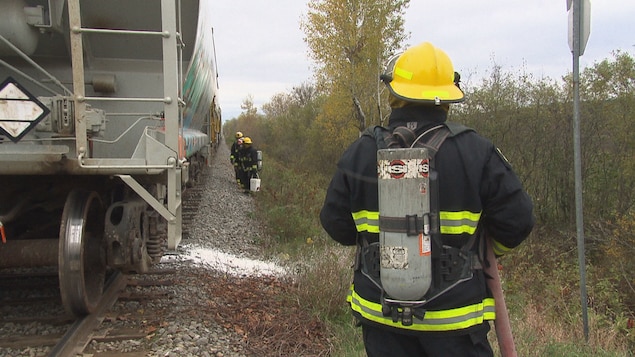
(82, 260)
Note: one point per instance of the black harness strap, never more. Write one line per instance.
(412, 225)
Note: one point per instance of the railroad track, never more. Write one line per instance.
(33, 321)
(38, 326)
(81, 332)
(192, 198)
(33, 318)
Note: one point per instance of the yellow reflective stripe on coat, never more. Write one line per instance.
(459, 222)
(366, 221)
(499, 249)
(441, 320)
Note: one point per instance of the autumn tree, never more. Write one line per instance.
(529, 120)
(608, 94)
(289, 118)
(248, 107)
(350, 40)
(249, 122)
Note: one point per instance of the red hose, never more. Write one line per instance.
(502, 324)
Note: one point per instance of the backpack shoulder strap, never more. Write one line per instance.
(379, 133)
(434, 143)
(403, 137)
(399, 137)
(442, 132)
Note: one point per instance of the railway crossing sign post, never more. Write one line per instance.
(579, 30)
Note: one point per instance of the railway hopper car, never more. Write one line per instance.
(108, 111)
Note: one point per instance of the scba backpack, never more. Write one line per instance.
(410, 263)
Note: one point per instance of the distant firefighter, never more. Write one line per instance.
(248, 163)
(233, 153)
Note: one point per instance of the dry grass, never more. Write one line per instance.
(324, 279)
(537, 334)
(539, 329)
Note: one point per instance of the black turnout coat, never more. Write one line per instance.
(476, 185)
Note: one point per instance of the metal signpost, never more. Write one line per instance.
(579, 29)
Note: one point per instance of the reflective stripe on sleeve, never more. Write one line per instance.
(366, 221)
(440, 320)
(499, 249)
(462, 222)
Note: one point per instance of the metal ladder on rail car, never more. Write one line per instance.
(171, 101)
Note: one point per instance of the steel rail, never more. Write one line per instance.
(78, 336)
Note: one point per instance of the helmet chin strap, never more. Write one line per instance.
(386, 78)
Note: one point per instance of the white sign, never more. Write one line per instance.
(585, 23)
(19, 110)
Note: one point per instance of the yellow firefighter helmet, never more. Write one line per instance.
(423, 74)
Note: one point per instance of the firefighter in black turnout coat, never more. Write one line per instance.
(248, 163)
(477, 192)
(233, 154)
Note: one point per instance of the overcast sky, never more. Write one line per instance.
(261, 51)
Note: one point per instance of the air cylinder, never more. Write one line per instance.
(404, 232)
